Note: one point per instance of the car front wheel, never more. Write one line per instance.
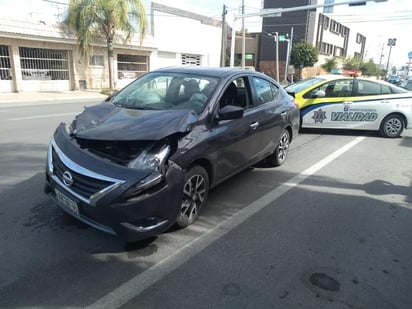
(195, 192)
(392, 126)
(281, 152)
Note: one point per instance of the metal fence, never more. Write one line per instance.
(5, 65)
(44, 64)
(190, 59)
(131, 66)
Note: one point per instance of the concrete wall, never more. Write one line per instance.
(176, 35)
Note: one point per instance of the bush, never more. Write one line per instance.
(107, 91)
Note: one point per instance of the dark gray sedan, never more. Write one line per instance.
(145, 159)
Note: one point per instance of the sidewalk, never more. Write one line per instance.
(7, 98)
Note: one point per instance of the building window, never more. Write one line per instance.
(131, 66)
(338, 52)
(44, 64)
(190, 59)
(96, 60)
(359, 38)
(335, 27)
(326, 23)
(5, 65)
(326, 48)
(328, 9)
(344, 31)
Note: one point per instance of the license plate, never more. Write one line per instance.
(67, 202)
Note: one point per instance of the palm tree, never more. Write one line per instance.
(91, 19)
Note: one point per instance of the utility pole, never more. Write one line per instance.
(290, 42)
(243, 36)
(391, 42)
(277, 55)
(380, 57)
(224, 38)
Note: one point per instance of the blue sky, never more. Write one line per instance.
(378, 21)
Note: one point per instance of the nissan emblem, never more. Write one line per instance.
(67, 179)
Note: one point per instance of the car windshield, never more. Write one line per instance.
(303, 84)
(165, 91)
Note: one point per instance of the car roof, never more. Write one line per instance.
(331, 76)
(208, 71)
(335, 77)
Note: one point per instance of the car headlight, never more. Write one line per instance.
(152, 158)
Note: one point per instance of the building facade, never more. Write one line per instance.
(332, 38)
(40, 56)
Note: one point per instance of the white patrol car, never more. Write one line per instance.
(341, 102)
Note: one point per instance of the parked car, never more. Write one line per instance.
(145, 159)
(407, 84)
(394, 79)
(340, 102)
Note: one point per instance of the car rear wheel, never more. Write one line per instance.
(281, 152)
(392, 126)
(195, 192)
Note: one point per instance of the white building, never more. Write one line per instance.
(36, 55)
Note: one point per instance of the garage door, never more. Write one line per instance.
(44, 69)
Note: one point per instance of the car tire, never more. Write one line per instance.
(281, 152)
(392, 126)
(195, 193)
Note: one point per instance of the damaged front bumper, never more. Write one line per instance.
(110, 197)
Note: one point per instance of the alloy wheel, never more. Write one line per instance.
(194, 194)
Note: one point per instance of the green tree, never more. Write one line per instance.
(330, 64)
(369, 68)
(303, 55)
(352, 63)
(104, 19)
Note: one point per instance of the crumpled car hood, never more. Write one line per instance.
(106, 121)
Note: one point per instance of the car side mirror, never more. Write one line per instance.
(230, 112)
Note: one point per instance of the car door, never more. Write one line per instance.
(371, 103)
(329, 102)
(271, 112)
(236, 141)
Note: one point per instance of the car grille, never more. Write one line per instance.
(83, 185)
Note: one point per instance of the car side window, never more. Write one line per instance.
(333, 89)
(265, 90)
(366, 87)
(236, 93)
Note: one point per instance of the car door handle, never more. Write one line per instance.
(254, 125)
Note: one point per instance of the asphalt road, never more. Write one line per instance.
(328, 229)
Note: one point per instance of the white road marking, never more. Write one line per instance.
(42, 116)
(132, 288)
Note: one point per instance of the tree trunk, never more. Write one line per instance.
(111, 63)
